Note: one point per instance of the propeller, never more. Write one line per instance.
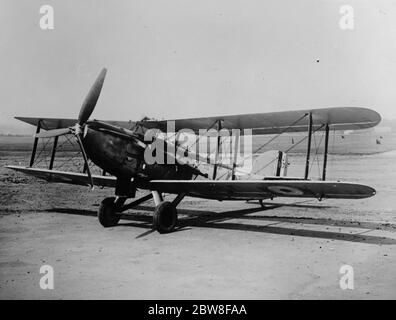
(86, 110)
(53, 133)
(92, 97)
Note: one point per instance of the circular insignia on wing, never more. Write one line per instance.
(284, 190)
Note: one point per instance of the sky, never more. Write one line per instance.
(188, 58)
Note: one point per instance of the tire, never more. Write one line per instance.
(165, 217)
(107, 214)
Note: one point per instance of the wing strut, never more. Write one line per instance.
(309, 146)
(325, 151)
(35, 144)
(53, 152)
(217, 149)
(235, 156)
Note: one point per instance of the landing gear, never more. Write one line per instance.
(262, 203)
(165, 217)
(107, 213)
(165, 213)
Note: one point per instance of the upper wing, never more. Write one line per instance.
(67, 177)
(248, 189)
(345, 118)
(56, 123)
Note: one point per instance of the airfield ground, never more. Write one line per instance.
(293, 249)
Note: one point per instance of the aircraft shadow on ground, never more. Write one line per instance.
(140, 217)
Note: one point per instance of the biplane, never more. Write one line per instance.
(118, 148)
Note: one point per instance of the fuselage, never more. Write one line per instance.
(123, 157)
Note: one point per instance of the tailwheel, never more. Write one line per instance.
(107, 213)
(165, 217)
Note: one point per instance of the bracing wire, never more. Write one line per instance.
(283, 131)
(316, 156)
(268, 142)
(43, 149)
(286, 151)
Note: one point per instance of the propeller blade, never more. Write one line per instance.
(92, 97)
(52, 133)
(85, 159)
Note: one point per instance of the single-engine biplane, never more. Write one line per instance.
(118, 148)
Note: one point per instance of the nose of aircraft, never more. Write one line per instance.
(111, 153)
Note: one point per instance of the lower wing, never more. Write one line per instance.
(220, 189)
(67, 177)
(259, 189)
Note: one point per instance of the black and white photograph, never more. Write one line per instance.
(199, 151)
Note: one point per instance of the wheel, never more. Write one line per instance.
(107, 214)
(165, 217)
(262, 203)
